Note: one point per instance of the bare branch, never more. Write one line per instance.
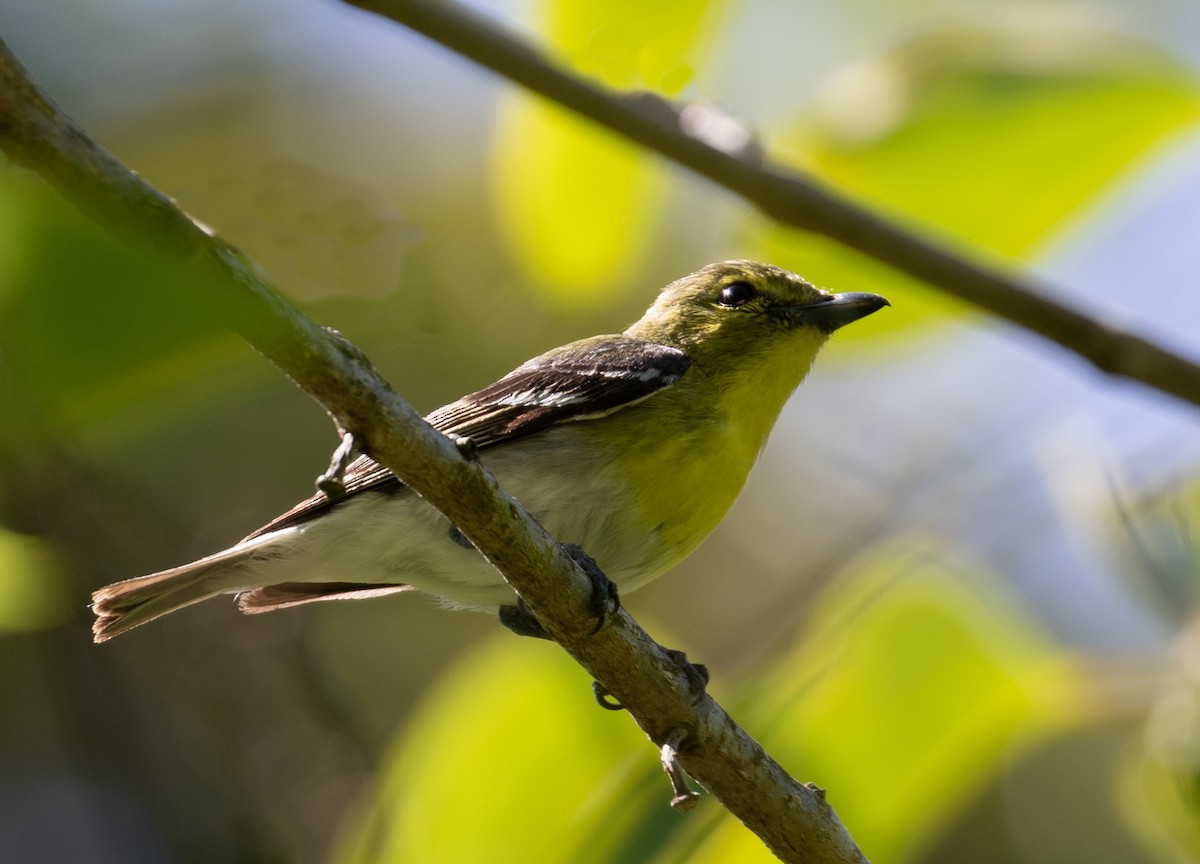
(792, 819)
(796, 200)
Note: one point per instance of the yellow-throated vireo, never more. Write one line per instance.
(632, 446)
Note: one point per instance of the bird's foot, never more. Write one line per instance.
(684, 798)
(605, 600)
(697, 676)
(331, 482)
(521, 621)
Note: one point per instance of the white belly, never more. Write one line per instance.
(398, 538)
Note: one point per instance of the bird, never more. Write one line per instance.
(632, 446)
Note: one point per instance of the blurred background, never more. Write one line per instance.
(959, 592)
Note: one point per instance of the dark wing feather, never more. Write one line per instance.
(580, 381)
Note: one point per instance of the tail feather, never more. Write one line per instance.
(284, 595)
(124, 605)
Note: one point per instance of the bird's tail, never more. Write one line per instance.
(124, 605)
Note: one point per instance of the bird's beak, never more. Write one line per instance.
(838, 310)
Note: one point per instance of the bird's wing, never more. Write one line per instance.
(581, 381)
(577, 382)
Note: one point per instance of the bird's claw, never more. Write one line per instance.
(606, 600)
(521, 621)
(604, 698)
(697, 676)
(331, 483)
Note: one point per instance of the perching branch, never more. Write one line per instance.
(796, 200)
(792, 819)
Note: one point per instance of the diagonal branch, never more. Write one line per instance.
(792, 819)
(796, 200)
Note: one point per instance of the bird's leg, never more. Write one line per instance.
(684, 798)
(331, 481)
(696, 673)
(521, 621)
(604, 601)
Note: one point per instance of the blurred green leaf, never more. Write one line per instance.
(1001, 158)
(89, 328)
(511, 760)
(914, 681)
(32, 595)
(576, 204)
(627, 44)
(1158, 781)
(578, 209)
(992, 138)
(916, 676)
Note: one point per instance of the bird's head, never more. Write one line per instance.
(737, 310)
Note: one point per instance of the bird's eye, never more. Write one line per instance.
(736, 294)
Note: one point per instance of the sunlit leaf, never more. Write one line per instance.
(917, 674)
(578, 205)
(989, 139)
(511, 760)
(914, 681)
(575, 204)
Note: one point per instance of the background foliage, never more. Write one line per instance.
(959, 593)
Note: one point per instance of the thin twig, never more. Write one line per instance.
(796, 200)
(796, 824)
